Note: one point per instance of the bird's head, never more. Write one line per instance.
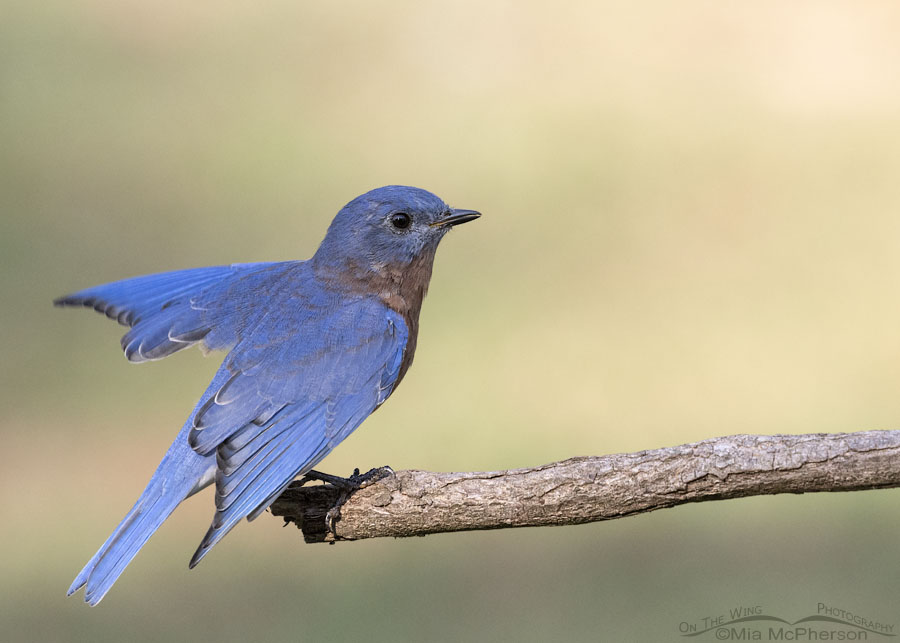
(387, 229)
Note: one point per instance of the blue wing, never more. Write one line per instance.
(170, 311)
(300, 382)
(306, 366)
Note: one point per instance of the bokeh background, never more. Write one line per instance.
(691, 228)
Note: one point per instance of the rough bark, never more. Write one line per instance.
(587, 489)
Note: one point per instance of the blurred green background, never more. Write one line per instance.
(691, 228)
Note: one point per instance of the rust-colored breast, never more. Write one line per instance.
(402, 289)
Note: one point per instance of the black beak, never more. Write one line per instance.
(456, 217)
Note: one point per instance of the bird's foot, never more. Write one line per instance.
(355, 482)
(347, 487)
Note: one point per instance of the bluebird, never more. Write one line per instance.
(313, 348)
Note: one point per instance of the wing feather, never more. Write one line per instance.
(295, 393)
(171, 311)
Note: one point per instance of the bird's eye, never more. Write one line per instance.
(400, 220)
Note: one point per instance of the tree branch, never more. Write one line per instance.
(587, 489)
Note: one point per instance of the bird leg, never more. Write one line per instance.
(353, 483)
(347, 487)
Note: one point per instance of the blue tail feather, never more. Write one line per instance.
(181, 473)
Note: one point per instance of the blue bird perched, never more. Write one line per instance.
(314, 347)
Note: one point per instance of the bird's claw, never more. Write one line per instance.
(354, 482)
(372, 475)
(333, 515)
(347, 487)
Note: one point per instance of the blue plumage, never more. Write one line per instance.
(314, 347)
